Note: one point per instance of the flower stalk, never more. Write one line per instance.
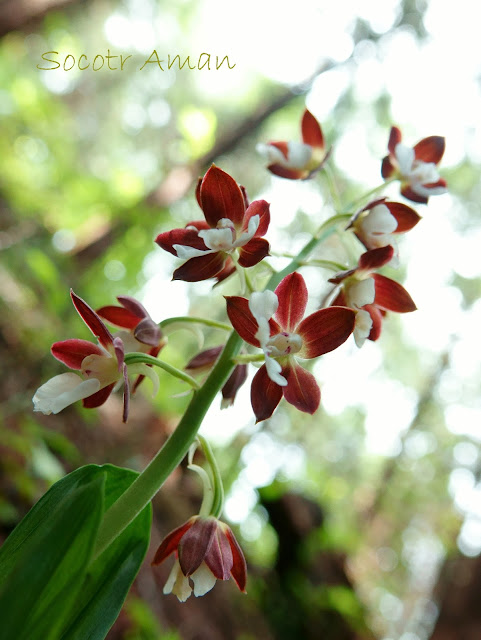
(194, 320)
(134, 358)
(144, 488)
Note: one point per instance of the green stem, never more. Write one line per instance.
(249, 284)
(328, 172)
(208, 489)
(326, 264)
(372, 192)
(134, 358)
(146, 485)
(324, 231)
(193, 320)
(245, 358)
(218, 502)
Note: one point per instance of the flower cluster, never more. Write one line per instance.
(229, 239)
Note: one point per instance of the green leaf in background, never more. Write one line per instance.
(43, 562)
(109, 577)
(48, 591)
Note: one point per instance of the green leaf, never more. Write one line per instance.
(44, 560)
(44, 564)
(108, 579)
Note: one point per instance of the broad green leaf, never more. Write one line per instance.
(41, 514)
(44, 561)
(108, 579)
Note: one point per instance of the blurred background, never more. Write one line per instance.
(364, 521)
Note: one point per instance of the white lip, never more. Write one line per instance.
(63, 390)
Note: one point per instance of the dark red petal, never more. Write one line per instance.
(265, 395)
(258, 208)
(97, 399)
(283, 148)
(227, 270)
(201, 268)
(239, 568)
(392, 296)
(138, 380)
(118, 316)
(408, 193)
(311, 131)
(126, 398)
(376, 317)
(242, 319)
(395, 138)
(134, 306)
(171, 542)
(342, 275)
(185, 237)
(92, 320)
(195, 544)
(302, 390)
(204, 359)
(72, 352)
(339, 300)
(430, 149)
(119, 352)
(148, 332)
(387, 168)
(292, 295)
(406, 217)
(371, 205)
(154, 351)
(200, 225)
(197, 192)
(290, 174)
(219, 556)
(244, 193)
(244, 322)
(221, 197)
(253, 252)
(375, 258)
(234, 383)
(325, 330)
(432, 185)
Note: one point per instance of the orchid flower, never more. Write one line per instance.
(139, 333)
(274, 322)
(101, 366)
(231, 229)
(380, 221)
(297, 160)
(206, 551)
(371, 294)
(415, 167)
